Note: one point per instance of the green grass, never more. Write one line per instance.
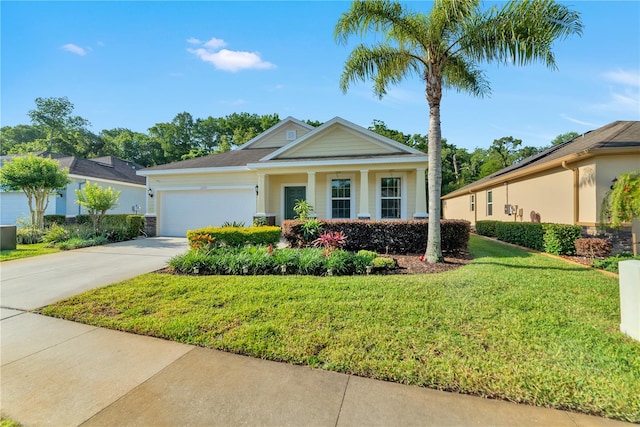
(511, 325)
(25, 251)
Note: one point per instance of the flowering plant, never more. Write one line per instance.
(330, 241)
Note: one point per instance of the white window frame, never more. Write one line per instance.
(489, 202)
(403, 193)
(352, 197)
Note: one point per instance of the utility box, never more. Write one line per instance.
(630, 298)
(8, 237)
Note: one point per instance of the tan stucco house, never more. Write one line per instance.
(341, 169)
(564, 184)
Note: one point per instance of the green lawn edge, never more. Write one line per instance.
(26, 251)
(511, 325)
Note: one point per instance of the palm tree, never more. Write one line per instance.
(444, 49)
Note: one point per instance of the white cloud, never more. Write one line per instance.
(225, 59)
(70, 47)
(580, 122)
(193, 40)
(215, 44)
(627, 78)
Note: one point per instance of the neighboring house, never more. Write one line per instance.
(564, 184)
(106, 171)
(341, 169)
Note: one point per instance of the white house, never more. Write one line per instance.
(106, 171)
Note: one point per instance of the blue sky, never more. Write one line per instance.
(135, 64)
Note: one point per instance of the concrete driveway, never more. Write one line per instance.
(31, 283)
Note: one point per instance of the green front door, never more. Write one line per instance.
(291, 195)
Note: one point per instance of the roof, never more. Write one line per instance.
(245, 156)
(107, 168)
(614, 136)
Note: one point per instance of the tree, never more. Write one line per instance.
(444, 48)
(54, 115)
(97, 200)
(14, 139)
(38, 178)
(564, 137)
(622, 203)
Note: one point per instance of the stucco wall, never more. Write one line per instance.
(607, 168)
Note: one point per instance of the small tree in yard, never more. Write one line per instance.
(622, 204)
(97, 200)
(37, 177)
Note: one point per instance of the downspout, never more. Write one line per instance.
(576, 192)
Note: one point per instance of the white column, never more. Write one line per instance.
(261, 206)
(421, 195)
(311, 190)
(364, 195)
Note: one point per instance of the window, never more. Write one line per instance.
(340, 198)
(489, 203)
(473, 202)
(390, 198)
(291, 135)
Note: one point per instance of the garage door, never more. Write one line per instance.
(180, 211)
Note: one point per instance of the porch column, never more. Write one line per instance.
(363, 212)
(261, 206)
(311, 191)
(421, 195)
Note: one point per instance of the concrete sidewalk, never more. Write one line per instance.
(60, 373)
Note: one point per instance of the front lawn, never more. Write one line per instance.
(25, 251)
(510, 325)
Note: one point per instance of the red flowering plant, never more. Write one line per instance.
(330, 241)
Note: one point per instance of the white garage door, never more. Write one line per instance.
(180, 211)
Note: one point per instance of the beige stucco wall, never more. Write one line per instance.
(550, 193)
(339, 141)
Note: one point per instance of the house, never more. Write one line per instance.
(564, 184)
(106, 171)
(341, 169)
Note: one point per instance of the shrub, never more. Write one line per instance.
(238, 236)
(363, 259)
(311, 261)
(611, 263)
(341, 262)
(235, 224)
(330, 241)
(29, 235)
(76, 243)
(559, 239)
(527, 234)
(486, 228)
(397, 236)
(49, 220)
(135, 225)
(593, 247)
(383, 263)
(56, 234)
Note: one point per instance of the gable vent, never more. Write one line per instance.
(291, 135)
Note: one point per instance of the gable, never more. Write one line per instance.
(279, 139)
(337, 142)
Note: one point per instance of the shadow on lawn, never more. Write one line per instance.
(478, 260)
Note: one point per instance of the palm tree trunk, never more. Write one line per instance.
(433, 253)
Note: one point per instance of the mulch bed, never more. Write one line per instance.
(411, 264)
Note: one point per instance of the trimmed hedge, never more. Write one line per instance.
(234, 236)
(558, 239)
(486, 228)
(393, 236)
(49, 220)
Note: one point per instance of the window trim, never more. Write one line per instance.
(489, 202)
(352, 197)
(403, 193)
(472, 202)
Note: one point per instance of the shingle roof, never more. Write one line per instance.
(616, 135)
(228, 159)
(108, 168)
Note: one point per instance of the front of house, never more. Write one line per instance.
(565, 184)
(341, 169)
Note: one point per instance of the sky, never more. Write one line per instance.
(135, 64)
